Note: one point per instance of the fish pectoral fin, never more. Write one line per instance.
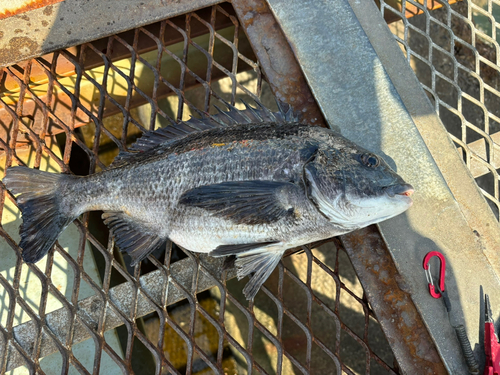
(261, 262)
(247, 202)
(135, 237)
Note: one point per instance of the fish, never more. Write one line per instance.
(248, 183)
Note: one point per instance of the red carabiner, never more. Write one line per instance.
(442, 271)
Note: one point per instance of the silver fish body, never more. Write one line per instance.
(251, 189)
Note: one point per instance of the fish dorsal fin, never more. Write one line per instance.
(132, 236)
(232, 116)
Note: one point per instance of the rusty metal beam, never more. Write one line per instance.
(277, 60)
(390, 299)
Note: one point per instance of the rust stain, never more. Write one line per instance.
(277, 59)
(391, 301)
(48, 10)
(7, 11)
(19, 46)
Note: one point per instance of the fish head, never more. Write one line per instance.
(353, 187)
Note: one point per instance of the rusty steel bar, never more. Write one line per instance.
(277, 59)
(390, 299)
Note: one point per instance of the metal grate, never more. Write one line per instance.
(83, 309)
(454, 52)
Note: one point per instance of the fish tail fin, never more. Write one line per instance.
(43, 216)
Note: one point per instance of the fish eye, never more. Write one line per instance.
(369, 160)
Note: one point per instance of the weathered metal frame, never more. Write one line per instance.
(65, 24)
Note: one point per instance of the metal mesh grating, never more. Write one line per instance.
(83, 309)
(454, 52)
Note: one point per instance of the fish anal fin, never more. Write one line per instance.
(135, 237)
(247, 202)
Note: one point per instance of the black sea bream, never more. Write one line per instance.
(249, 183)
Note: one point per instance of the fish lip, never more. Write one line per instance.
(404, 190)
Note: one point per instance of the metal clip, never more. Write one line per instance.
(442, 271)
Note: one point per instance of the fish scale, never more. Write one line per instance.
(250, 184)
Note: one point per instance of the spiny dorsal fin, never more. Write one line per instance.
(232, 116)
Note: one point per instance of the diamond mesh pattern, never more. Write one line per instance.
(454, 52)
(82, 309)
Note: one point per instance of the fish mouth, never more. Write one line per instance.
(404, 190)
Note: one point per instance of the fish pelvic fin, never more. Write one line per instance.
(133, 236)
(259, 258)
(44, 217)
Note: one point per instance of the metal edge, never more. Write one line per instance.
(73, 22)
